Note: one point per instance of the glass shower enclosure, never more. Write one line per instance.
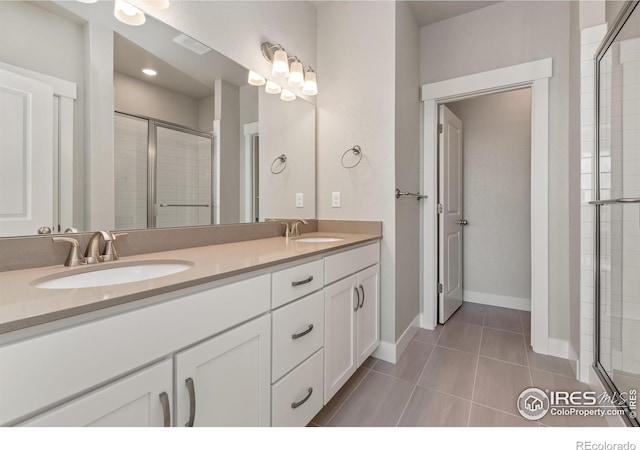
(163, 174)
(617, 211)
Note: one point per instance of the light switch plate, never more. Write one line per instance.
(335, 199)
(299, 200)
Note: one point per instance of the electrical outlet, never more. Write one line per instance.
(299, 200)
(335, 199)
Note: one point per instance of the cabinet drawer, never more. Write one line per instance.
(346, 263)
(292, 340)
(297, 398)
(296, 282)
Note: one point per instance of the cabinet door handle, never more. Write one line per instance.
(304, 333)
(294, 405)
(301, 282)
(361, 301)
(192, 401)
(166, 409)
(355, 308)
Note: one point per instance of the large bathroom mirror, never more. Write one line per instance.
(112, 126)
(617, 210)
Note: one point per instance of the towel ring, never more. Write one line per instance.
(356, 151)
(283, 160)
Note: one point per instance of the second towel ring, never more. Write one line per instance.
(356, 151)
(283, 161)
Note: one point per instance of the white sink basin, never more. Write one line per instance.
(111, 274)
(318, 239)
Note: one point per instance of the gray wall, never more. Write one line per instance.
(505, 34)
(140, 98)
(407, 158)
(497, 193)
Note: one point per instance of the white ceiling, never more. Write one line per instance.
(428, 12)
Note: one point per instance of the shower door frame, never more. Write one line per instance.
(152, 161)
(600, 371)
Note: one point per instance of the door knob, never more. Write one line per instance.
(44, 230)
(463, 222)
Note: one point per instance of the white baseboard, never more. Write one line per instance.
(523, 304)
(427, 325)
(389, 352)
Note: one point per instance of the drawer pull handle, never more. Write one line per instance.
(294, 405)
(304, 333)
(355, 308)
(192, 401)
(301, 282)
(361, 301)
(166, 409)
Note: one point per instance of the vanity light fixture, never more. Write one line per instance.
(280, 64)
(255, 79)
(159, 4)
(296, 74)
(127, 13)
(272, 88)
(150, 72)
(310, 86)
(287, 96)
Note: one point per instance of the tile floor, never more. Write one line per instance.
(468, 372)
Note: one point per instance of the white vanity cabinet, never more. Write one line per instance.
(352, 314)
(144, 399)
(268, 350)
(226, 381)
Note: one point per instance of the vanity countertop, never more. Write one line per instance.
(23, 305)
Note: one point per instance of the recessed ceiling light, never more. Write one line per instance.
(150, 72)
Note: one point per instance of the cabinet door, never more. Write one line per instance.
(368, 315)
(143, 399)
(340, 302)
(226, 380)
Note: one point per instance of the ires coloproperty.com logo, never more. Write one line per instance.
(535, 403)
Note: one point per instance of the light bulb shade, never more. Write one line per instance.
(159, 4)
(272, 88)
(280, 64)
(310, 86)
(287, 96)
(127, 13)
(255, 79)
(296, 75)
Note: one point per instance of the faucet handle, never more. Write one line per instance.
(74, 258)
(287, 231)
(110, 252)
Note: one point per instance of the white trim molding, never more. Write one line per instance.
(503, 301)
(535, 75)
(389, 352)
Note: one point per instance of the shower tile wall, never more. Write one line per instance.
(183, 178)
(130, 161)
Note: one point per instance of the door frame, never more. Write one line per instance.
(534, 75)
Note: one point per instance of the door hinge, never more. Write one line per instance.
(440, 288)
(440, 128)
(440, 208)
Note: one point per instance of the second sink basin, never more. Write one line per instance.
(318, 239)
(115, 274)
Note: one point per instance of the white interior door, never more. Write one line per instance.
(450, 217)
(26, 155)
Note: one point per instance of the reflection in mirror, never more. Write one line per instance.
(188, 145)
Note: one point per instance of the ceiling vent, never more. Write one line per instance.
(191, 44)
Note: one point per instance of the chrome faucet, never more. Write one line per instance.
(93, 254)
(295, 227)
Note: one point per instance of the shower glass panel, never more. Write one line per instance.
(131, 142)
(162, 174)
(183, 178)
(618, 210)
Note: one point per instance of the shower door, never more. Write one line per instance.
(617, 216)
(162, 174)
